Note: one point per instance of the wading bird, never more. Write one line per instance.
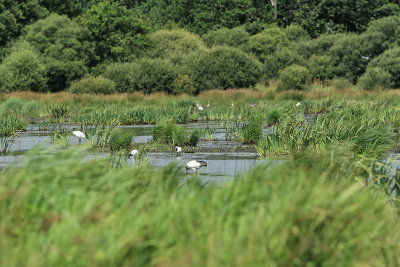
(178, 150)
(133, 153)
(79, 135)
(195, 165)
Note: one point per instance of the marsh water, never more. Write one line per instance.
(221, 166)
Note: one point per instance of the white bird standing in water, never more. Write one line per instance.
(178, 150)
(298, 105)
(133, 153)
(79, 135)
(195, 165)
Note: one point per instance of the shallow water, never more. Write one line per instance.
(221, 166)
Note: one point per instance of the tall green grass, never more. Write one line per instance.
(62, 209)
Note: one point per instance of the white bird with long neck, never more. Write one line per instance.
(80, 135)
(195, 165)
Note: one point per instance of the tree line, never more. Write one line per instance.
(186, 46)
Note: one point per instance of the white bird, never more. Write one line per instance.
(232, 105)
(200, 108)
(178, 149)
(133, 153)
(195, 165)
(252, 105)
(365, 57)
(79, 135)
(298, 105)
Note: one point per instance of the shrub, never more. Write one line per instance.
(153, 75)
(389, 62)
(120, 139)
(179, 41)
(281, 59)
(121, 74)
(96, 85)
(321, 67)
(224, 36)
(293, 77)
(375, 78)
(381, 35)
(65, 48)
(222, 68)
(295, 33)
(341, 83)
(183, 84)
(22, 70)
(347, 53)
(266, 42)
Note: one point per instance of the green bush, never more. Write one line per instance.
(22, 70)
(321, 67)
(341, 83)
(224, 36)
(122, 74)
(293, 77)
(65, 48)
(153, 75)
(347, 52)
(223, 68)
(265, 43)
(93, 85)
(183, 84)
(381, 35)
(180, 41)
(295, 33)
(389, 62)
(281, 59)
(375, 78)
(120, 140)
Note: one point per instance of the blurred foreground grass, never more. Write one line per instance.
(315, 209)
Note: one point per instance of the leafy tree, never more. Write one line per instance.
(71, 8)
(224, 36)
(294, 77)
(266, 43)
(22, 70)
(118, 32)
(388, 62)
(14, 15)
(202, 16)
(327, 16)
(169, 42)
(64, 46)
(223, 68)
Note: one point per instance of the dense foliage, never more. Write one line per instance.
(173, 41)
